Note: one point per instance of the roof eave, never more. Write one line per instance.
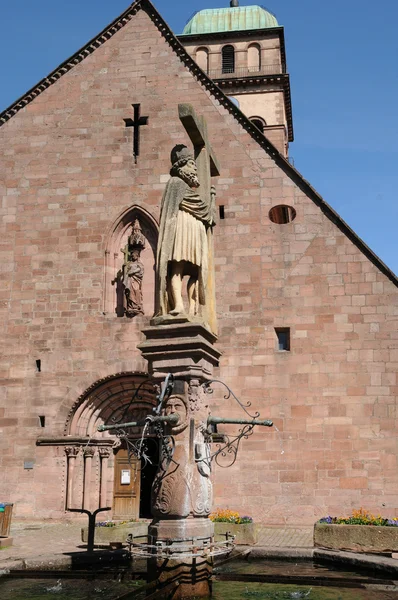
(192, 37)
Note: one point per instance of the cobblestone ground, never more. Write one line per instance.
(32, 540)
(36, 539)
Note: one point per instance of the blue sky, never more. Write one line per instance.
(342, 58)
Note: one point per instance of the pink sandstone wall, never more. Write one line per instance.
(69, 174)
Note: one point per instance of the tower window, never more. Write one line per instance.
(202, 58)
(283, 337)
(254, 58)
(228, 59)
(259, 123)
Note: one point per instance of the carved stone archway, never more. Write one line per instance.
(105, 401)
(89, 453)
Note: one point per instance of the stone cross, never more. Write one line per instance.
(137, 122)
(207, 163)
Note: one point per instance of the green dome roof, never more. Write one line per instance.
(230, 19)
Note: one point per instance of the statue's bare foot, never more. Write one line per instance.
(178, 310)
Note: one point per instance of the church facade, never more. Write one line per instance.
(307, 313)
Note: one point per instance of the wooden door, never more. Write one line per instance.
(126, 497)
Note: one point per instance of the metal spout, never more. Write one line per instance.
(170, 419)
(220, 421)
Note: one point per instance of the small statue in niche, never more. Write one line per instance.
(133, 272)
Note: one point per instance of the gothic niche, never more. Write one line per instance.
(129, 265)
(129, 278)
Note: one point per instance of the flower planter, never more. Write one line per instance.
(117, 534)
(246, 533)
(356, 538)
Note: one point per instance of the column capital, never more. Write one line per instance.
(89, 451)
(72, 451)
(104, 451)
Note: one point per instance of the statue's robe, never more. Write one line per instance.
(133, 276)
(179, 196)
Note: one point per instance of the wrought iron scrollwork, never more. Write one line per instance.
(227, 451)
(136, 397)
(165, 393)
(209, 390)
(138, 448)
(167, 446)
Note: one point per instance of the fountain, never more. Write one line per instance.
(181, 354)
(181, 545)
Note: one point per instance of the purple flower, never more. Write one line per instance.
(326, 520)
(392, 522)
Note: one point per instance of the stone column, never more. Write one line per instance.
(182, 490)
(104, 454)
(89, 452)
(71, 454)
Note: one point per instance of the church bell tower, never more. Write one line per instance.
(242, 48)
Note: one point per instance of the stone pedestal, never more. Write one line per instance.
(176, 536)
(179, 346)
(182, 490)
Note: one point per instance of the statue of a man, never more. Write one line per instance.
(186, 223)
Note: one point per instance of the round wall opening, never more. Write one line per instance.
(282, 214)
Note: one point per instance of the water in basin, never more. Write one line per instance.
(279, 581)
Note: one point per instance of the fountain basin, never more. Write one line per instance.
(356, 538)
(245, 533)
(233, 580)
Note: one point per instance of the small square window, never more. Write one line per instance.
(283, 337)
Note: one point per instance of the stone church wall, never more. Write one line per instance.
(70, 176)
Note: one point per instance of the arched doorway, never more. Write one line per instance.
(101, 471)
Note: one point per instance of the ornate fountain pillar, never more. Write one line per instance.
(181, 342)
(182, 490)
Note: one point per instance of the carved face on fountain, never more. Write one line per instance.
(176, 406)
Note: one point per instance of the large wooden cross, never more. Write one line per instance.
(207, 163)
